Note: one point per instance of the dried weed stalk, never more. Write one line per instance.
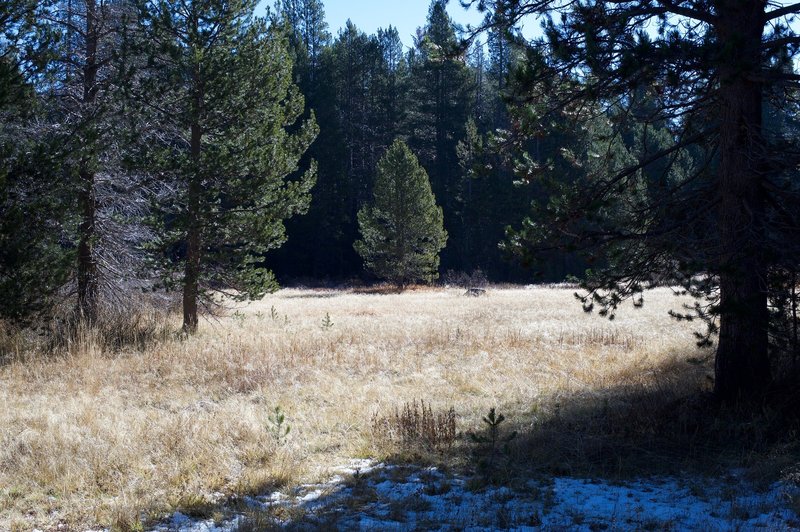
(417, 424)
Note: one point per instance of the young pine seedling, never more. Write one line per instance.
(278, 426)
(492, 441)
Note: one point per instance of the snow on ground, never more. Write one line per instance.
(370, 496)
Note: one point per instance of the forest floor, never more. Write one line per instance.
(612, 421)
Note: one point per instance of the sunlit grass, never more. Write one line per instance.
(93, 438)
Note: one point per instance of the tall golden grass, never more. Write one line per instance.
(94, 437)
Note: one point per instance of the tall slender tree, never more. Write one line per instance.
(390, 88)
(309, 37)
(81, 89)
(356, 59)
(442, 95)
(229, 138)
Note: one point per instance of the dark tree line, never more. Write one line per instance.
(439, 96)
(157, 145)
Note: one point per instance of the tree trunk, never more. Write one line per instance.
(191, 278)
(87, 263)
(795, 345)
(742, 364)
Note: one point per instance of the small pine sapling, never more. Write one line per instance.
(491, 443)
(240, 318)
(278, 426)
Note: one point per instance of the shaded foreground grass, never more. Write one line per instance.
(92, 437)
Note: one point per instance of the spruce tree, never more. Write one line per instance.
(228, 138)
(402, 229)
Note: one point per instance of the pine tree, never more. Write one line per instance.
(34, 212)
(81, 92)
(308, 38)
(360, 98)
(710, 65)
(390, 88)
(314, 246)
(402, 229)
(442, 95)
(17, 34)
(351, 141)
(34, 264)
(356, 57)
(228, 139)
(485, 94)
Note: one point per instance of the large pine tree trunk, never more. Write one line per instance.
(87, 261)
(742, 364)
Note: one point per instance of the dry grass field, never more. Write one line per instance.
(94, 438)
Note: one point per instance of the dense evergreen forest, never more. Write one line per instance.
(441, 96)
(164, 146)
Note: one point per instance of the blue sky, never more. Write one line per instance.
(405, 15)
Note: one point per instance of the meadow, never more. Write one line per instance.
(95, 437)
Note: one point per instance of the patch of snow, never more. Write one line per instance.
(181, 523)
(358, 466)
(310, 496)
(365, 495)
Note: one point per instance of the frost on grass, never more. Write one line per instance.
(370, 496)
(111, 440)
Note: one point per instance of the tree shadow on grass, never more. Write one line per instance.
(664, 426)
(632, 431)
(665, 429)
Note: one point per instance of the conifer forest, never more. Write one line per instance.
(219, 216)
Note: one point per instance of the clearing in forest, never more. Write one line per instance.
(91, 437)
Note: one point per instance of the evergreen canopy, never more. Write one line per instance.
(230, 134)
(402, 230)
(725, 227)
